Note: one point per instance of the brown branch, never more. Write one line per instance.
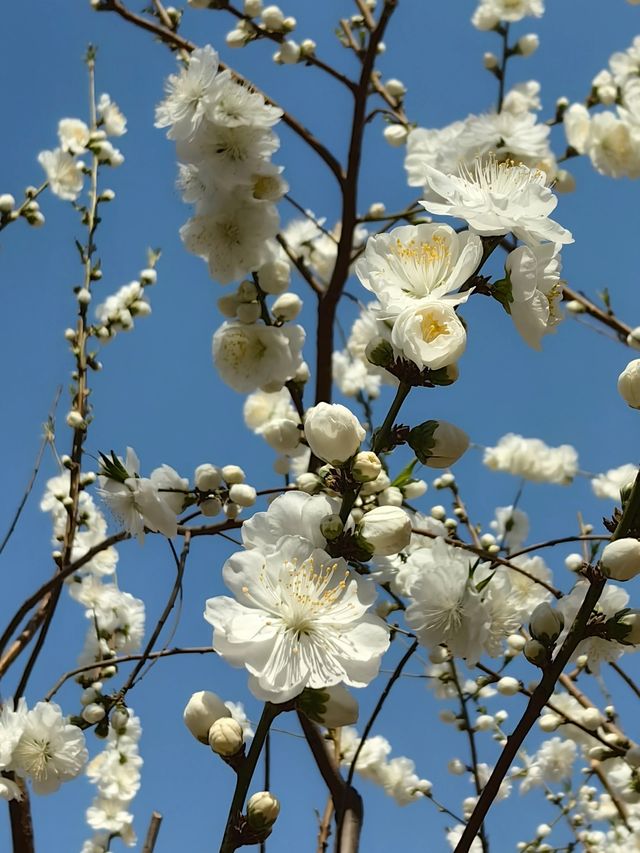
(152, 832)
(176, 41)
(302, 268)
(608, 319)
(626, 678)
(20, 819)
(329, 302)
(346, 800)
(163, 653)
(551, 674)
(175, 591)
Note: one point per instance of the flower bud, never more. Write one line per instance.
(7, 203)
(252, 8)
(438, 444)
(119, 719)
(621, 559)
(272, 17)
(591, 718)
(414, 489)
(546, 624)
(549, 722)
(225, 737)
(282, 434)
(148, 276)
(242, 494)
(573, 306)
(438, 512)
(631, 622)
(527, 44)
(231, 510)
(333, 432)
(93, 713)
(262, 810)
(629, 384)
(228, 305)
(490, 61)
(274, 276)
(236, 38)
(535, 652)
(395, 134)
(508, 686)
(289, 52)
(379, 352)
(395, 88)
(331, 527)
(75, 420)
(211, 507)
(377, 209)
(387, 529)
(201, 712)
(341, 708)
(287, 307)
(574, 562)
(308, 483)
(233, 474)
(390, 497)
(307, 48)
(366, 466)
(248, 312)
(208, 477)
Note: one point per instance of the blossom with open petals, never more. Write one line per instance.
(299, 620)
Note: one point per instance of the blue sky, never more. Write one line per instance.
(158, 391)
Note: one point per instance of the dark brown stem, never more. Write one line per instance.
(329, 303)
(152, 832)
(20, 818)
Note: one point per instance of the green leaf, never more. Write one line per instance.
(405, 476)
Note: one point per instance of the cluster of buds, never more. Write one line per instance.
(218, 489)
(30, 209)
(118, 311)
(246, 305)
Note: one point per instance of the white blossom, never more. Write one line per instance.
(63, 172)
(496, 198)
(248, 356)
(536, 290)
(187, 92)
(300, 621)
(50, 750)
(532, 459)
(608, 485)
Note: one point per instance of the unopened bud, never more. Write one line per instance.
(225, 737)
(93, 713)
(379, 352)
(262, 810)
(546, 624)
(201, 712)
(331, 527)
(535, 652)
(366, 466)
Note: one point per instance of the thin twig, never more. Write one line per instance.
(47, 438)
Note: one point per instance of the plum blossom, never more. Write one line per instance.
(63, 172)
(414, 263)
(248, 356)
(184, 107)
(50, 750)
(299, 620)
(534, 275)
(496, 198)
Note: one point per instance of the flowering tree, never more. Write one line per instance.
(343, 574)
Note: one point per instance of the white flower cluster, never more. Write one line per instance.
(299, 617)
(64, 172)
(116, 618)
(532, 459)
(396, 776)
(38, 745)
(491, 12)
(611, 139)
(224, 138)
(469, 607)
(116, 773)
(118, 311)
(609, 484)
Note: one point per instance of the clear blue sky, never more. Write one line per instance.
(159, 393)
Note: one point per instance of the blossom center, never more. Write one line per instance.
(34, 755)
(431, 328)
